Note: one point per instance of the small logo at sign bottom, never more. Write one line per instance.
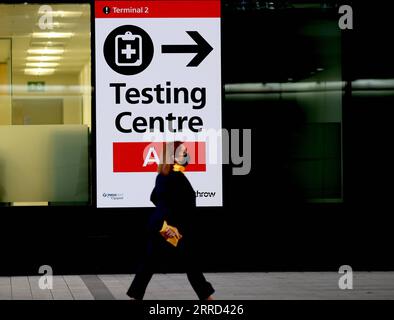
(113, 196)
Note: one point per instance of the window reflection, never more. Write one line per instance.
(45, 104)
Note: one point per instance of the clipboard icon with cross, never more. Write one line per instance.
(128, 50)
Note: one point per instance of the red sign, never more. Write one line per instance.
(145, 156)
(158, 9)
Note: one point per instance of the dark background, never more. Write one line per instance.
(265, 224)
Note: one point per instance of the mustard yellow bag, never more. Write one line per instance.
(174, 240)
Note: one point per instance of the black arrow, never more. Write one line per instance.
(201, 48)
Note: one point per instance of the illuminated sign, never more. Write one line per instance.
(158, 79)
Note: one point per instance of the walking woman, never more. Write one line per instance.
(171, 225)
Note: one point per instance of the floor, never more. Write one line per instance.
(228, 286)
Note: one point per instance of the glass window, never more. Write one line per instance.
(45, 104)
(293, 81)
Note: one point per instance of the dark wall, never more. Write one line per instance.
(265, 223)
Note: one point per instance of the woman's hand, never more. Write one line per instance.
(169, 233)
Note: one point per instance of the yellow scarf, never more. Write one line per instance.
(178, 167)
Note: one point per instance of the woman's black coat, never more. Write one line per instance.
(175, 202)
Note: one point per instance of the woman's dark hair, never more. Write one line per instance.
(167, 157)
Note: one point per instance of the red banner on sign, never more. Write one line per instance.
(158, 9)
(145, 156)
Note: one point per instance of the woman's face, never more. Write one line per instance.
(181, 157)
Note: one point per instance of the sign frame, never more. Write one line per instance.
(95, 158)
